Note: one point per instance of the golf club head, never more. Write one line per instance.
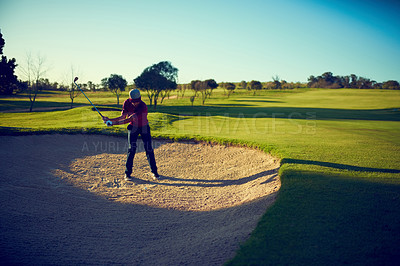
(75, 79)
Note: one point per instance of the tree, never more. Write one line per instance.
(328, 80)
(202, 88)
(353, 81)
(116, 84)
(311, 81)
(91, 86)
(391, 85)
(365, 83)
(277, 82)
(195, 86)
(157, 78)
(34, 70)
(2, 43)
(285, 85)
(255, 86)
(230, 87)
(243, 84)
(72, 90)
(328, 77)
(206, 89)
(8, 81)
(346, 82)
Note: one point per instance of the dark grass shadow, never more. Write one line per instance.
(179, 182)
(257, 101)
(340, 166)
(23, 106)
(231, 105)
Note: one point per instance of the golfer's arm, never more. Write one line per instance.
(122, 117)
(124, 120)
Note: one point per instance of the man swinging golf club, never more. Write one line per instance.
(134, 112)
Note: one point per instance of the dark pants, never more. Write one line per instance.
(133, 133)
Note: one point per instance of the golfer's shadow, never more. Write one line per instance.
(174, 181)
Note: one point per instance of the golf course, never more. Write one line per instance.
(303, 176)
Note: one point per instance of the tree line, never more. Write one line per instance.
(328, 80)
(8, 80)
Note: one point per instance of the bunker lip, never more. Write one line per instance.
(208, 201)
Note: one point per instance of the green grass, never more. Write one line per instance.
(340, 169)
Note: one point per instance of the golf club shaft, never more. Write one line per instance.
(88, 99)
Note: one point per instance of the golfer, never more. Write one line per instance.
(134, 112)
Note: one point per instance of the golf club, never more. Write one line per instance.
(108, 123)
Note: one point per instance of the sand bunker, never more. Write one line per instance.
(62, 198)
(193, 176)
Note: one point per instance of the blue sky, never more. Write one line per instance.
(223, 40)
